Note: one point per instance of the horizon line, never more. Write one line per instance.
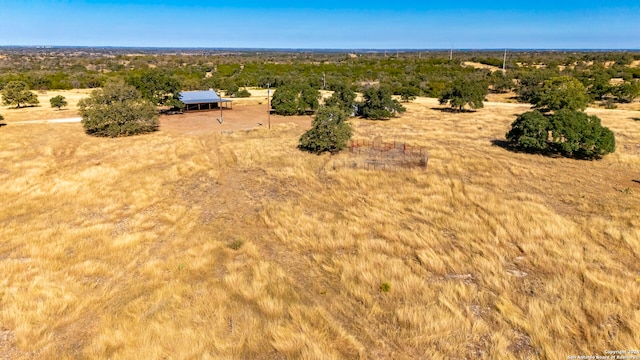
(309, 49)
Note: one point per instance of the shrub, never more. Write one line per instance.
(530, 132)
(329, 132)
(385, 287)
(236, 244)
(58, 102)
(576, 134)
(117, 110)
(408, 93)
(573, 134)
(244, 93)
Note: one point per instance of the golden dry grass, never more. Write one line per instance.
(207, 246)
(43, 111)
(477, 65)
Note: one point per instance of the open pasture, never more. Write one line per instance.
(197, 244)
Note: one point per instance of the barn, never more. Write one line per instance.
(203, 100)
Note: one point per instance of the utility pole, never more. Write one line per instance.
(451, 53)
(324, 82)
(269, 104)
(504, 61)
(220, 106)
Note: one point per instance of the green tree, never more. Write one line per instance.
(530, 132)
(285, 100)
(157, 86)
(58, 102)
(408, 93)
(379, 105)
(598, 86)
(344, 98)
(562, 92)
(17, 93)
(529, 85)
(576, 134)
(244, 93)
(463, 92)
(308, 99)
(500, 82)
(330, 132)
(117, 110)
(627, 91)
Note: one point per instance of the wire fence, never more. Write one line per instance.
(375, 155)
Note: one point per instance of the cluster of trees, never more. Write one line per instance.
(462, 92)
(295, 99)
(378, 103)
(558, 124)
(330, 131)
(407, 75)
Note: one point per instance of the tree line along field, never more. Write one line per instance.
(413, 73)
(196, 244)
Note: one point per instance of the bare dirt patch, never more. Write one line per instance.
(243, 117)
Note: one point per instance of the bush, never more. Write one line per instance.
(530, 132)
(329, 132)
(408, 93)
(576, 134)
(117, 110)
(244, 93)
(58, 102)
(573, 134)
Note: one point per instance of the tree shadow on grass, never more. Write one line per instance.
(635, 119)
(549, 152)
(452, 111)
(636, 181)
(2, 124)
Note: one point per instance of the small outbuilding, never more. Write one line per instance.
(203, 100)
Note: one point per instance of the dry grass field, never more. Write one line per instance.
(201, 245)
(44, 111)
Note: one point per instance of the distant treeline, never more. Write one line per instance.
(425, 73)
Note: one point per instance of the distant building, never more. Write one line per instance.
(203, 100)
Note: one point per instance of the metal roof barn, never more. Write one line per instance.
(202, 100)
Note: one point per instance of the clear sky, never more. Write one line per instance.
(334, 24)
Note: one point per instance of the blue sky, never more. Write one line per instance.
(566, 24)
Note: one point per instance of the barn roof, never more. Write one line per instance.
(201, 97)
